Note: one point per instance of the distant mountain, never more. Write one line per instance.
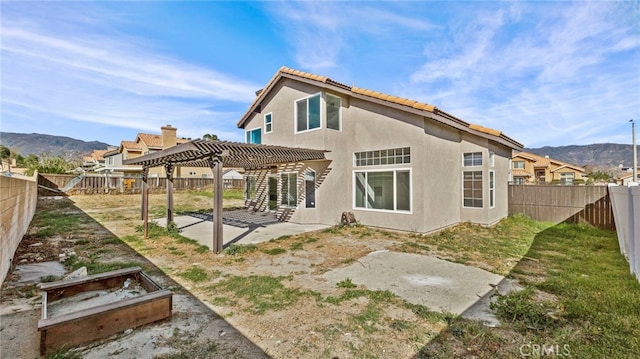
(599, 155)
(37, 144)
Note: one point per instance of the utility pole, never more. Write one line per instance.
(635, 152)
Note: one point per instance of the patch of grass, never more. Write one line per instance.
(265, 293)
(52, 223)
(237, 249)
(520, 308)
(64, 354)
(274, 251)
(497, 248)
(311, 240)
(346, 283)
(96, 267)
(50, 278)
(81, 242)
(132, 239)
(111, 240)
(424, 312)
(580, 296)
(195, 274)
(281, 238)
(296, 246)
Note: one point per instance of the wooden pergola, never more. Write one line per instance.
(215, 155)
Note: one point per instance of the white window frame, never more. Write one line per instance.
(395, 189)
(295, 113)
(251, 130)
(492, 189)
(382, 157)
(518, 163)
(482, 185)
(280, 205)
(270, 123)
(315, 189)
(473, 158)
(327, 95)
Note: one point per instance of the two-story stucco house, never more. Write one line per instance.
(146, 143)
(529, 168)
(392, 162)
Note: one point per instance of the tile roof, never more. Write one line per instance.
(540, 161)
(131, 145)
(520, 173)
(151, 140)
(374, 95)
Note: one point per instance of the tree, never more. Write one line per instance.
(210, 137)
(5, 155)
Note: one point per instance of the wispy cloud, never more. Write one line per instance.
(551, 66)
(321, 32)
(76, 72)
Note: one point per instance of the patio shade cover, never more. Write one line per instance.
(197, 153)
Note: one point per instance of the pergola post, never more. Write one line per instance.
(216, 168)
(145, 201)
(168, 167)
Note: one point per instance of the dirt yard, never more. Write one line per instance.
(269, 299)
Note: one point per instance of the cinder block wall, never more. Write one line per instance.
(18, 199)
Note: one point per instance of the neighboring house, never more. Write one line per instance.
(626, 178)
(528, 168)
(392, 162)
(95, 160)
(146, 143)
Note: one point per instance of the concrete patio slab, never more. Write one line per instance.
(201, 230)
(419, 279)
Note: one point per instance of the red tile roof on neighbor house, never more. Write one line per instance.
(152, 141)
(545, 162)
(130, 146)
(389, 100)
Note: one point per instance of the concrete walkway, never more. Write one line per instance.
(201, 230)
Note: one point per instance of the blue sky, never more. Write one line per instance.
(544, 73)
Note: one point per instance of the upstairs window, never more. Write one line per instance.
(268, 124)
(254, 136)
(473, 159)
(334, 120)
(518, 165)
(308, 113)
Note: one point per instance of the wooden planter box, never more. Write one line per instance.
(86, 325)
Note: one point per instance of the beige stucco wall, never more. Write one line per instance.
(18, 199)
(436, 161)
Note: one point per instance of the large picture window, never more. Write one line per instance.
(473, 159)
(308, 113)
(472, 189)
(289, 189)
(334, 119)
(383, 190)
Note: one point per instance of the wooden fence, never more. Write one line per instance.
(91, 184)
(571, 204)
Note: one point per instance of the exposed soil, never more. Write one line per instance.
(211, 318)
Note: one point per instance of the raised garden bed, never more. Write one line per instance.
(79, 311)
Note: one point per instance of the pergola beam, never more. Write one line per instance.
(215, 155)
